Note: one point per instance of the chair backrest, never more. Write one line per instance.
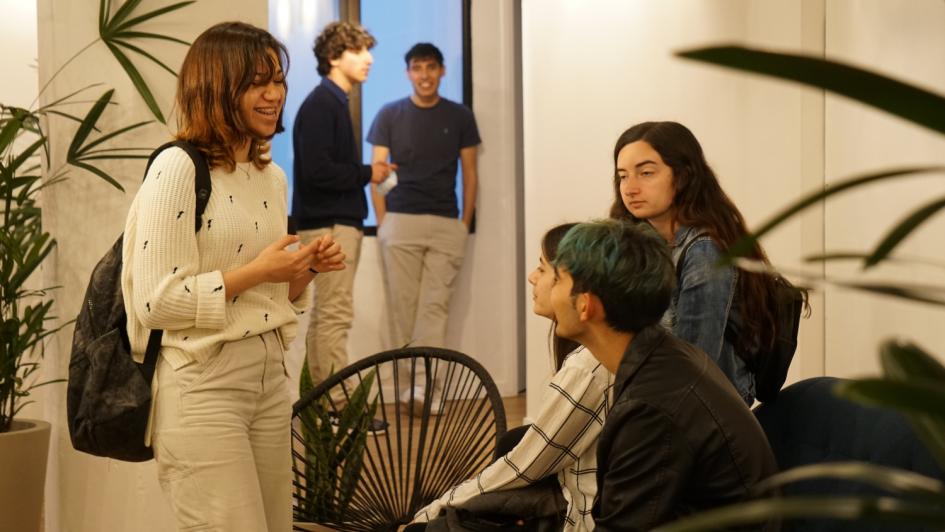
(809, 424)
(443, 417)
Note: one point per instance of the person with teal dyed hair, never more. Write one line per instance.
(554, 459)
(678, 439)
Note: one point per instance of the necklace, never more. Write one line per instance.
(244, 170)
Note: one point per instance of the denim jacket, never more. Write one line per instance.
(704, 303)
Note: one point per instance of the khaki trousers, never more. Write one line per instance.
(221, 439)
(422, 255)
(326, 341)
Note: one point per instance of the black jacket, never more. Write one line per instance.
(678, 439)
(328, 176)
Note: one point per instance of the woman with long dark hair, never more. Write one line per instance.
(562, 442)
(226, 297)
(661, 177)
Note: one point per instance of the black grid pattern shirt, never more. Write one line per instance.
(562, 441)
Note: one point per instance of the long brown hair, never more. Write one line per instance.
(560, 347)
(220, 66)
(700, 202)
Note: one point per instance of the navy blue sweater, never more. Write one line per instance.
(327, 173)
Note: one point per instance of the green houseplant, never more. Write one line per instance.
(26, 311)
(912, 380)
(334, 452)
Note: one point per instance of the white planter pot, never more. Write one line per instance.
(23, 452)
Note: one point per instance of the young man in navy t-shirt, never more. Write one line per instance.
(421, 234)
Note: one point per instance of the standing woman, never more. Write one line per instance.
(227, 297)
(661, 176)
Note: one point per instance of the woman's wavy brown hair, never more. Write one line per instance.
(700, 202)
(219, 68)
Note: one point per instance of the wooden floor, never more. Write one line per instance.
(514, 410)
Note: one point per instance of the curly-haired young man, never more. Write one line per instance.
(329, 181)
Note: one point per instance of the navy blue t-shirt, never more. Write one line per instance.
(424, 143)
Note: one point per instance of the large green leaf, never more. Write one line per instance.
(145, 53)
(864, 508)
(65, 99)
(148, 35)
(108, 136)
(81, 153)
(896, 481)
(907, 362)
(744, 245)
(99, 172)
(88, 124)
(152, 14)
(117, 30)
(138, 81)
(906, 101)
(903, 229)
(8, 133)
(913, 292)
(861, 256)
(123, 12)
(913, 396)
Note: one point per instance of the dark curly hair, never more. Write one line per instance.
(335, 39)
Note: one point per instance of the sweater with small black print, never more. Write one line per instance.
(172, 278)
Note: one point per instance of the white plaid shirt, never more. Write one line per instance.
(561, 441)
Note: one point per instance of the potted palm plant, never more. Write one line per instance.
(26, 310)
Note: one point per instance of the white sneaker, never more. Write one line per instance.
(419, 395)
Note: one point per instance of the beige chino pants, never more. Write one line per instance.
(422, 255)
(221, 439)
(326, 341)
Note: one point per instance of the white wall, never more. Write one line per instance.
(18, 27)
(903, 39)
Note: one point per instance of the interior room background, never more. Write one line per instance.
(554, 84)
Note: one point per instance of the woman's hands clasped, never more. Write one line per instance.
(328, 255)
(277, 264)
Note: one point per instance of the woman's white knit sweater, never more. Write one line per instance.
(172, 278)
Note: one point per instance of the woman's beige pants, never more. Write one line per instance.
(221, 439)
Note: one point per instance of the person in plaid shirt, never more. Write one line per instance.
(562, 442)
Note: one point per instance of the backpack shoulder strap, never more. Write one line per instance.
(202, 185)
(202, 189)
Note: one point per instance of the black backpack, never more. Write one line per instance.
(108, 398)
(770, 366)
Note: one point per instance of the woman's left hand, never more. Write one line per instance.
(328, 256)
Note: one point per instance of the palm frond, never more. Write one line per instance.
(117, 30)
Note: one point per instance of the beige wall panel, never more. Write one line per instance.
(902, 39)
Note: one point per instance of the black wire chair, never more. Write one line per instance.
(443, 417)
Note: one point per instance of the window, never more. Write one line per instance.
(397, 27)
